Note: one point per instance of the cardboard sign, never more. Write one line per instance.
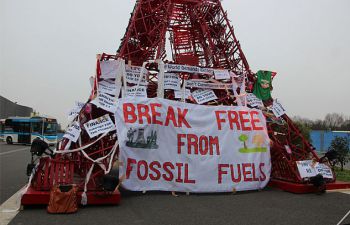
(107, 87)
(109, 69)
(133, 75)
(73, 132)
(206, 85)
(178, 94)
(187, 69)
(105, 102)
(171, 81)
(175, 146)
(222, 74)
(253, 101)
(98, 126)
(278, 109)
(141, 92)
(203, 95)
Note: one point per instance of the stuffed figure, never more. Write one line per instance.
(263, 85)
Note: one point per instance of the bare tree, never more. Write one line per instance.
(334, 120)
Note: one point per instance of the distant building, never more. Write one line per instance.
(9, 108)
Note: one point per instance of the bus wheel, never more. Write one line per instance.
(9, 140)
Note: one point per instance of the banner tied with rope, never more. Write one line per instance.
(175, 146)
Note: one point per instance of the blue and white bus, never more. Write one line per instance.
(24, 130)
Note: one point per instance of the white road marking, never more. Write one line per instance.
(17, 150)
(10, 208)
(345, 191)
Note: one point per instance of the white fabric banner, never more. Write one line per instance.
(99, 125)
(174, 146)
(73, 132)
(109, 69)
(203, 95)
(105, 102)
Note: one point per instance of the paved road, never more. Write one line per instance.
(13, 165)
(266, 207)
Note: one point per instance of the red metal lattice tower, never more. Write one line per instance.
(200, 34)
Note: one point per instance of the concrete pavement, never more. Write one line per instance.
(265, 207)
(13, 166)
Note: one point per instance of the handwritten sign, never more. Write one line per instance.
(98, 126)
(278, 109)
(253, 101)
(308, 168)
(171, 81)
(174, 146)
(105, 101)
(222, 74)
(305, 168)
(325, 170)
(203, 95)
(73, 132)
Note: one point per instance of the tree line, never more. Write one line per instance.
(332, 121)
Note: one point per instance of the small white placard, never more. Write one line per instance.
(73, 132)
(171, 81)
(75, 110)
(203, 95)
(305, 169)
(277, 108)
(222, 74)
(107, 87)
(253, 101)
(324, 170)
(98, 126)
(109, 69)
(187, 69)
(141, 91)
(178, 94)
(105, 101)
(133, 75)
(207, 85)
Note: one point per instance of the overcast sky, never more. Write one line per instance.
(48, 49)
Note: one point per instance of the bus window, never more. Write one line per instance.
(50, 128)
(37, 127)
